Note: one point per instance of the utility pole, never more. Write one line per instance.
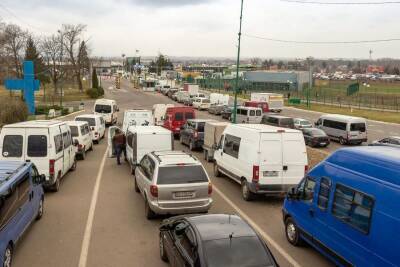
(309, 60)
(61, 64)
(237, 64)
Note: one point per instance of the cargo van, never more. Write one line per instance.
(137, 117)
(275, 101)
(257, 104)
(158, 112)
(201, 103)
(248, 115)
(347, 207)
(97, 125)
(81, 137)
(263, 159)
(141, 140)
(345, 129)
(21, 203)
(46, 143)
(176, 117)
(107, 108)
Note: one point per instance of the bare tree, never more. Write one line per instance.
(14, 43)
(74, 47)
(51, 48)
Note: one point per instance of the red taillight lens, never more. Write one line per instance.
(256, 174)
(154, 190)
(51, 166)
(305, 170)
(209, 188)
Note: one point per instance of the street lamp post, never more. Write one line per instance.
(309, 59)
(237, 64)
(61, 62)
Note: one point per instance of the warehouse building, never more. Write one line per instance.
(289, 80)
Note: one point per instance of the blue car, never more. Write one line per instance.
(348, 207)
(21, 202)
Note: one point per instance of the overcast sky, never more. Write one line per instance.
(209, 27)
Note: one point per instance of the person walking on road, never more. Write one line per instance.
(119, 141)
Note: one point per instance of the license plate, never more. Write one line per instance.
(270, 173)
(188, 194)
(323, 144)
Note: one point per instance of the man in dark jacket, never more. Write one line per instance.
(119, 141)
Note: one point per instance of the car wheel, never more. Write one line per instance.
(136, 186)
(8, 256)
(246, 193)
(205, 155)
(217, 173)
(40, 210)
(96, 142)
(148, 212)
(191, 146)
(56, 185)
(292, 232)
(342, 141)
(163, 254)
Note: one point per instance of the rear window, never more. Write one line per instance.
(189, 115)
(206, 101)
(12, 146)
(37, 146)
(317, 132)
(357, 127)
(91, 121)
(181, 175)
(200, 126)
(287, 122)
(238, 251)
(74, 131)
(179, 116)
(258, 112)
(102, 108)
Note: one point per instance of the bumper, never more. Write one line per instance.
(272, 189)
(354, 141)
(181, 207)
(50, 180)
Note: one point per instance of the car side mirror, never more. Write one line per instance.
(293, 194)
(76, 142)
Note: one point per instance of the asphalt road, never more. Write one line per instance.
(98, 220)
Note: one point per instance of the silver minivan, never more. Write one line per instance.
(345, 129)
(250, 115)
(172, 182)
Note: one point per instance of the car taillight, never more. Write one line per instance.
(51, 167)
(209, 188)
(154, 190)
(305, 169)
(256, 174)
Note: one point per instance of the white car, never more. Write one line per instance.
(264, 159)
(97, 125)
(301, 123)
(81, 136)
(107, 108)
(201, 103)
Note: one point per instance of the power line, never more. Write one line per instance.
(341, 3)
(322, 42)
(19, 19)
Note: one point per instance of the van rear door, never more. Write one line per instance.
(270, 171)
(38, 148)
(294, 158)
(13, 144)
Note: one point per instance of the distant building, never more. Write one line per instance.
(130, 63)
(287, 80)
(106, 67)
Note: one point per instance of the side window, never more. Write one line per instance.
(12, 146)
(8, 205)
(87, 129)
(258, 112)
(353, 208)
(324, 191)
(65, 140)
(129, 138)
(232, 145)
(83, 130)
(244, 112)
(186, 244)
(58, 141)
(147, 167)
(37, 146)
(252, 113)
(23, 189)
(306, 189)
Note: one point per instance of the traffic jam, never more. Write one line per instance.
(343, 207)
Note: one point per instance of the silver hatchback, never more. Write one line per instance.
(173, 182)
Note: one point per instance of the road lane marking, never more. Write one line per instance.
(89, 223)
(264, 235)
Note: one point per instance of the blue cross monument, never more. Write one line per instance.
(29, 85)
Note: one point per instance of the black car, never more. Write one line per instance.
(192, 133)
(278, 121)
(315, 137)
(227, 112)
(212, 240)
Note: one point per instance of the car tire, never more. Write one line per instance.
(56, 186)
(8, 256)
(136, 185)
(148, 212)
(191, 146)
(342, 141)
(96, 142)
(246, 193)
(163, 253)
(292, 232)
(205, 155)
(217, 173)
(40, 212)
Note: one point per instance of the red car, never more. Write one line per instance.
(255, 104)
(176, 117)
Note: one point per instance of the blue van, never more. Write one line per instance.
(348, 207)
(21, 202)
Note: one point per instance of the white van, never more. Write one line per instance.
(250, 115)
(107, 108)
(81, 137)
(345, 129)
(137, 117)
(46, 143)
(263, 159)
(201, 103)
(141, 140)
(97, 125)
(158, 112)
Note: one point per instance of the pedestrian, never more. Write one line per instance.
(119, 141)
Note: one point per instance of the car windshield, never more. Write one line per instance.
(317, 132)
(91, 121)
(237, 251)
(102, 108)
(357, 127)
(74, 131)
(179, 116)
(181, 175)
(305, 123)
